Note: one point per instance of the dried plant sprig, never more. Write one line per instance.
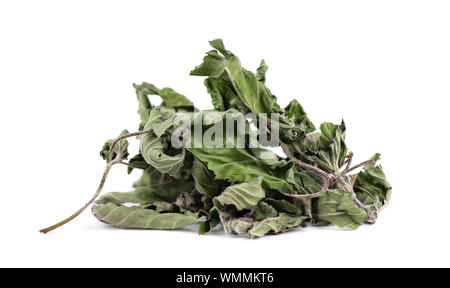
(249, 190)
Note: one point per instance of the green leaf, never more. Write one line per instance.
(218, 45)
(141, 195)
(371, 186)
(137, 162)
(213, 221)
(232, 86)
(163, 185)
(144, 103)
(261, 72)
(237, 226)
(160, 120)
(310, 182)
(327, 149)
(153, 150)
(140, 218)
(237, 165)
(376, 157)
(263, 211)
(275, 225)
(226, 68)
(242, 184)
(337, 207)
(297, 114)
(284, 206)
(161, 206)
(266, 156)
(242, 196)
(329, 131)
(170, 97)
(212, 65)
(205, 181)
(121, 147)
(223, 96)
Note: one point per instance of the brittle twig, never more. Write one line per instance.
(109, 164)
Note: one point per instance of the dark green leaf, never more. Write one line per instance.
(213, 221)
(205, 180)
(263, 211)
(137, 162)
(284, 206)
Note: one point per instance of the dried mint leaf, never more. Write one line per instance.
(238, 182)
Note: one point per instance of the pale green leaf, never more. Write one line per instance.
(237, 226)
(140, 218)
(153, 150)
(160, 120)
(275, 225)
(242, 196)
(141, 195)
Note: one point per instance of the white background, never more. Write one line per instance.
(66, 74)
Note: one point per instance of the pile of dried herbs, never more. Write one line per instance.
(236, 182)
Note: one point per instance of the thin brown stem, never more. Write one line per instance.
(326, 184)
(353, 180)
(349, 188)
(99, 189)
(349, 161)
(121, 137)
(362, 164)
(319, 172)
(102, 182)
(329, 179)
(322, 174)
(300, 152)
(128, 165)
(374, 215)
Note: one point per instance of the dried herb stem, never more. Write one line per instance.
(327, 180)
(110, 163)
(362, 164)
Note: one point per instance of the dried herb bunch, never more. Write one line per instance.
(246, 188)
